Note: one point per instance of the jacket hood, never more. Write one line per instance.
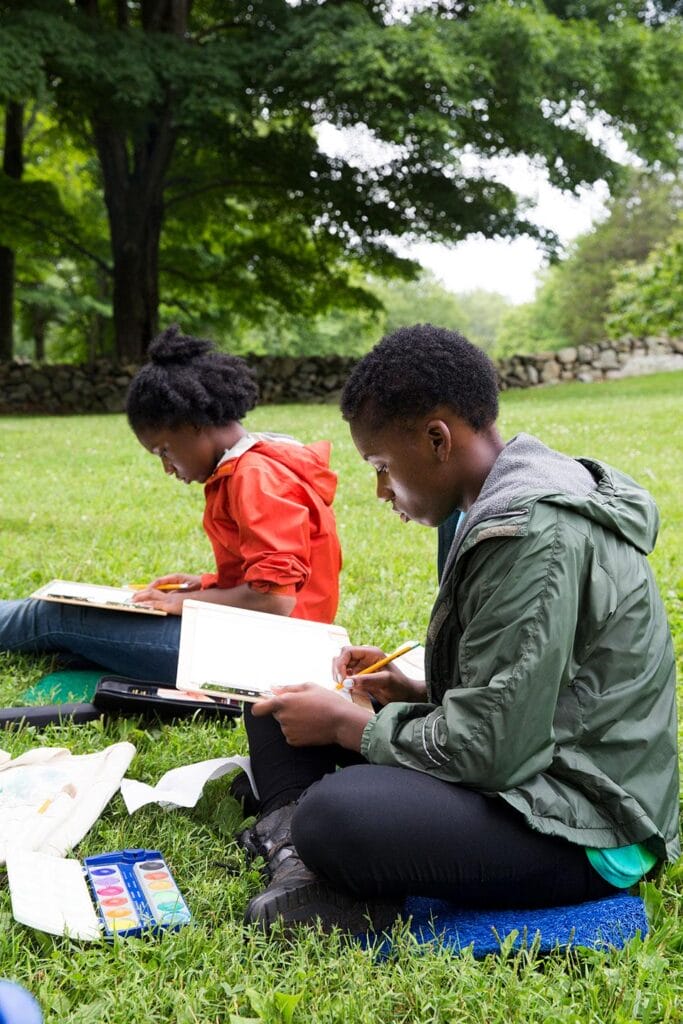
(308, 462)
(527, 471)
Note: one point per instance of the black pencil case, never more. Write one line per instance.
(158, 700)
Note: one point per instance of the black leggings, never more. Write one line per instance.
(387, 832)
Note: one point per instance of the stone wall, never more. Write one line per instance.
(28, 388)
(606, 360)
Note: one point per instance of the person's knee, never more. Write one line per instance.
(323, 825)
(18, 623)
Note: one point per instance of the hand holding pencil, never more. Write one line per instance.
(173, 581)
(166, 592)
(369, 670)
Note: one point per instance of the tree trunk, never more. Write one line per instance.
(134, 172)
(13, 166)
(135, 206)
(135, 296)
(40, 322)
(6, 304)
(97, 322)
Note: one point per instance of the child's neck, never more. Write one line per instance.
(225, 437)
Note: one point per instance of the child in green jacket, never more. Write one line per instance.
(537, 764)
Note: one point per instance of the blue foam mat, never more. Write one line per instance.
(601, 924)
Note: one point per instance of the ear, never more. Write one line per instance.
(440, 439)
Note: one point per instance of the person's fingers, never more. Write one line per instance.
(340, 664)
(266, 706)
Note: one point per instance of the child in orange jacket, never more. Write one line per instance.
(268, 516)
(268, 498)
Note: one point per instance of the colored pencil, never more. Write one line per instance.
(161, 586)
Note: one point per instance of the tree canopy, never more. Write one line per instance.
(648, 297)
(576, 297)
(202, 121)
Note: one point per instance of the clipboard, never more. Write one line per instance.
(93, 595)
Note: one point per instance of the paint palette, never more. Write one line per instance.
(134, 891)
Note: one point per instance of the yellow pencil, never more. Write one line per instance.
(161, 586)
(376, 665)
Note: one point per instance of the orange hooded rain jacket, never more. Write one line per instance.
(269, 518)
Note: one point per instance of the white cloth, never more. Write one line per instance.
(50, 798)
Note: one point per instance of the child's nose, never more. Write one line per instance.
(168, 466)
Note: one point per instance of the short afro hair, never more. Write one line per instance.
(416, 369)
(188, 382)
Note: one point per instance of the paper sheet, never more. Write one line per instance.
(183, 786)
(93, 594)
(51, 894)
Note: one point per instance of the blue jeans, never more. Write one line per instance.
(123, 643)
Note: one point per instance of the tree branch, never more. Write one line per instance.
(226, 183)
(220, 26)
(181, 305)
(62, 237)
(191, 278)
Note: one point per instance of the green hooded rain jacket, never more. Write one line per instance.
(549, 662)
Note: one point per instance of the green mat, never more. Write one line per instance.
(64, 687)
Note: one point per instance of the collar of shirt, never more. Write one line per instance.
(247, 441)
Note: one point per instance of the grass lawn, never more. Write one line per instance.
(79, 499)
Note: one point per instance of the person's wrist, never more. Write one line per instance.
(419, 691)
(350, 721)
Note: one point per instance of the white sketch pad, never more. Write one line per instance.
(254, 650)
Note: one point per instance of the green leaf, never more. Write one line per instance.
(286, 1003)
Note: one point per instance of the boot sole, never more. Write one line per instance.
(317, 902)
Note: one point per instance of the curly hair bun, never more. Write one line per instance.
(189, 380)
(173, 348)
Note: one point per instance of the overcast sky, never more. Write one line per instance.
(510, 267)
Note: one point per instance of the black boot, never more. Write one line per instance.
(267, 835)
(295, 895)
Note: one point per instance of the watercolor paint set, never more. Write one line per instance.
(134, 891)
(124, 894)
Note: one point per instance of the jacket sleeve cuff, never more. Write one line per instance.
(366, 738)
(209, 579)
(278, 570)
(264, 587)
